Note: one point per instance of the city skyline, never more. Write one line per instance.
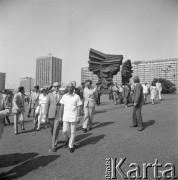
(138, 30)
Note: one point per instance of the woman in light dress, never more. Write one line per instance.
(153, 92)
(42, 102)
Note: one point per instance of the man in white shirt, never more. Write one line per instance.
(145, 91)
(70, 113)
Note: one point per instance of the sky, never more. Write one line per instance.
(137, 29)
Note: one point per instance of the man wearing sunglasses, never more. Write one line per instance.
(51, 112)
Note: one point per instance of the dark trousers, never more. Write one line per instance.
(137, 116)
(31, 110)
(98, 100)
(8, 120)
(126, 100)
(55, 126)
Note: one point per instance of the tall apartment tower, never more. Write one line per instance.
(48, 70)
(2, 80)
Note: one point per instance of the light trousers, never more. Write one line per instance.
(18, 117)
(159, 95)
(88, 117)
(145, 97)
(69, 129)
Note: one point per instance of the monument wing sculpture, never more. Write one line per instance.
(126, 71)
(104, 66)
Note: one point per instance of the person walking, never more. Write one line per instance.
(51, 111)
(19, 109)
(81, 89)
(138, 101)
(5, 110)
(110, 92)
(98, 95)
(33, 104)
(159, 89)
(89, 105)
(145, 91)
(126, 94)
(115, 93)
(7, 95)
(70, 114)
(42, 102)
(153, 92)
(76, 90)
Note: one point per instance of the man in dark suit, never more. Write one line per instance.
(138, 101)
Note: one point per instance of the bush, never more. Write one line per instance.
(167, 86)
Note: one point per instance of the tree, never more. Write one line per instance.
(167, 86)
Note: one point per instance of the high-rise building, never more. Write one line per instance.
(2, 80)
(27, 83)
(48, 70)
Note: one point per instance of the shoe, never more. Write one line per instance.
(37, 129)
(90, 128)
(66, 143)
(53, 150)
(126, 106)
(71, 150)
(84, 130)
(140, 129)
(15, 133)
(134, 126)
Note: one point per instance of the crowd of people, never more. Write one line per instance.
(124, 93)
(52, 108)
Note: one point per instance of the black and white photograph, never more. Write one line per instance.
(88, 89)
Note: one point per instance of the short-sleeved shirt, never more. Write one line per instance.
(71, 103)
(145, 89)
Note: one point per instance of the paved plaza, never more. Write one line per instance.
(26, 155)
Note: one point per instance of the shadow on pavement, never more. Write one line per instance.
(28, 166)
(90, 140)
(97, 112)
(117, 107)
(103, 124)
(103, 103)
(80, 127)
(14, 159)
(82, 136)
(148, 123)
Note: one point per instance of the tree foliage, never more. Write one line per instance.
(167, 86)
